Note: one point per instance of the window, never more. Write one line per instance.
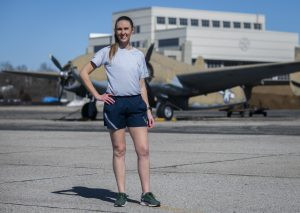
(194, 22)
(183, 21)
(257, 26)
(160, 20)
(205, 23)
(172, 21)
(172, 56)
(284, 77)
(135, 44)
(247, 25)
(137, 29)
(216, 23)
(226, 24)
(237, 24)
(168, 42)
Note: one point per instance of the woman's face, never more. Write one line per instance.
(123, 31)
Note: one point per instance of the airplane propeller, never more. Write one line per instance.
(65, 74)
(151, 75)
(149, 65)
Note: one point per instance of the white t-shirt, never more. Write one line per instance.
(124, 71)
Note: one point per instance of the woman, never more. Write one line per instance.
(125, 105)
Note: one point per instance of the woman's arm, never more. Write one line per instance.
(145, 98)
(84, 75)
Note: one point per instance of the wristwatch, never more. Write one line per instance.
(150, 108)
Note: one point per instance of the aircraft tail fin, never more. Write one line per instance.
(199, 63)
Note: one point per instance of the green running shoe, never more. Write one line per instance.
(148, 199)
(121, 200)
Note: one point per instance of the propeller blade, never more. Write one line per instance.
(149, 53)
(150, 71)
(67, 66)
(55, 61)
(151, 97)
(151, 75)
(61, 92)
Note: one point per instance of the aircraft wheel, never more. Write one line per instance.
(265, 114)
(89, 111)
(250, 114)
(242, 114)
(229, 114)
(165, 111)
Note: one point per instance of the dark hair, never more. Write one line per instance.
(114, 47)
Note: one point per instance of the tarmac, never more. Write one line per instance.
(53, 161)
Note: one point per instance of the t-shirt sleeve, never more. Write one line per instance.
(99, 57)
(143, 68)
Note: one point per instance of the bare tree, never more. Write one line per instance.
(6, 66)
(22, 67)
(46, 67)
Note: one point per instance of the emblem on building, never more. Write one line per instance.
(244, 44)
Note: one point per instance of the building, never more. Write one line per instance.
(221, 38)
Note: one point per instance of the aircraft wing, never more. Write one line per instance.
(100, 86)
(212, 80)
(34, 74)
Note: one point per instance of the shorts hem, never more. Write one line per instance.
(137, 126)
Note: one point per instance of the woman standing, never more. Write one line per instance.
(125, 105)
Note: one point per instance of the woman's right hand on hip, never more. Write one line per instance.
(106, 98)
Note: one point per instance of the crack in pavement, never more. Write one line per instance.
(217, 161)
(57, 207)
(224, 174)
(289, 130)
(152, 168)
(49, 165)
(52, 149)
(47, 178)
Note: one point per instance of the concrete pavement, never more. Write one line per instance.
(70, 171)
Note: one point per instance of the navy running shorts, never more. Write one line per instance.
(127, 111)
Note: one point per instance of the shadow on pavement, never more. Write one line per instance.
(102, 194)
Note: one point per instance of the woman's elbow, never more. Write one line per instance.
(85, 70)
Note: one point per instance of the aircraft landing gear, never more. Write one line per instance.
(258, 111)
(89, 110)
(229, 113)
(165, 111)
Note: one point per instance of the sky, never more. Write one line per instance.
(32, 29)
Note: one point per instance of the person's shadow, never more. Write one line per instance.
(102, 194)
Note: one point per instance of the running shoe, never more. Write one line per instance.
(148, 199)
(121, 200)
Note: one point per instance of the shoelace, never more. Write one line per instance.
(122, 195)
(150, 194)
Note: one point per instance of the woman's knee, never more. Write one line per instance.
(119, 151)
(143, 152)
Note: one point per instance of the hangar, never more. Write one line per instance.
(220, 38)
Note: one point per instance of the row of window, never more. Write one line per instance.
(170, 42)
(208, 23)
(135, 43)
(137, 29)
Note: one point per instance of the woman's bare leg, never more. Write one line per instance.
(119, 149)
(139, 136)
